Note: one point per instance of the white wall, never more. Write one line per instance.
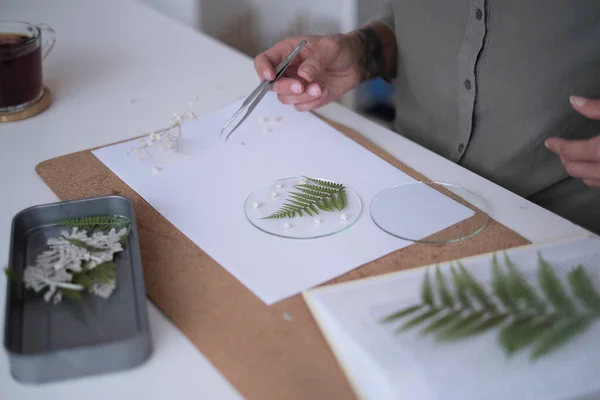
(254, 25)
(186, 11)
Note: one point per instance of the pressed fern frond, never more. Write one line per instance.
(458, 308)
(100, 222)
(312, 198)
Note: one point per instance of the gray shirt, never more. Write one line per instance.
(484, 83)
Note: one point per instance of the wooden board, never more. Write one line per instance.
(263, 354)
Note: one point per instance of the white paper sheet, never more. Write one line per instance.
(382, 365)
(202, 192)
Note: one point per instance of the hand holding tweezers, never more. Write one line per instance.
(256, 96)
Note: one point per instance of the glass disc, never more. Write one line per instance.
(413, 210)
(267, 200)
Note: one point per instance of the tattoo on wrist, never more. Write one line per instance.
(372, 57)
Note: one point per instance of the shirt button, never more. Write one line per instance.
(478, 13)
(467, 84)
(461, 147)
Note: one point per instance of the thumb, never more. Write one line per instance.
(588, 107)
(317, 62)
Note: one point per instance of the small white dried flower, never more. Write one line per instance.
(317, 220)
(274, 194)
(279, 186)
(343, 217)
(255, 205)
(286, 225)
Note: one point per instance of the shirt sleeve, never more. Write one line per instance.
(385, 15)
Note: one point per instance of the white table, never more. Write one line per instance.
(111, 51)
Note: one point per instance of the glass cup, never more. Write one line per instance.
(22, 50)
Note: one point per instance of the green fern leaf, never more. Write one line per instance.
(441, 322)
(500, 285)
(320, 182)
(463, 324)
(523, 331)
(489, 323)
(445, 295)
(560, 335)
(521, 292)
(461, 289)
(104, 272)
(476, 289)
(102, 222)
(83, 279)
(427, 291)
(418, 319)
(343, 197)
(12, 275)
(70, 293)
(531, 321)
(552, 287)
(399, 314)
(583, 289)
(312, 197)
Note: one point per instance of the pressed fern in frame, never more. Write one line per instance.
(311, 198)
(545, 321)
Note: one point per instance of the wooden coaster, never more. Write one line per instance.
(42, 104)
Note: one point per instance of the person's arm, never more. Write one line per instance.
(376, 44)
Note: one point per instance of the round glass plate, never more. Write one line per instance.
(413, 210)
(267, 200)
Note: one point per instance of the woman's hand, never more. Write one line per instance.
(328, 66)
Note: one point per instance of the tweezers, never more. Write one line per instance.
(256, 96)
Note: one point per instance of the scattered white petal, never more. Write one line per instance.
(287, 316)
(255, 205)
(156, 170)
(279, 186)
(274, 194)
(286, 225)
(317, 220)
(302, 182)
(343, 217)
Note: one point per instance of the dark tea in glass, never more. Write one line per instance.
(21, 55)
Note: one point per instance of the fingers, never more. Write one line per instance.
(310, 105)
(583, 170)
(576, 150)
(324, 53)
(265, 62)
(592, 183)
(588, 107)
(288, 86)
(312, 92)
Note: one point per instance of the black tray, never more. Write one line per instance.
(47, 342)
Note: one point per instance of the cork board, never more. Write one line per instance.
(263, 354)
